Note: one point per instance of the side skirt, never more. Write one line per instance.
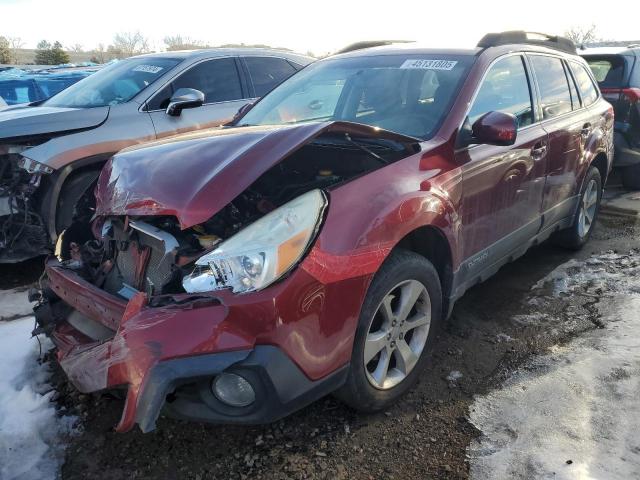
(487, 262)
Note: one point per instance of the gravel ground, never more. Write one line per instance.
(426, 435)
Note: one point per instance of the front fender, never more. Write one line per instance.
(369, 216)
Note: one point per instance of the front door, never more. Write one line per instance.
(502, 187)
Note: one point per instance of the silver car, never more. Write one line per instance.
(51, 152)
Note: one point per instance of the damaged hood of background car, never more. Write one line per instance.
(194, 176)
(34, 121)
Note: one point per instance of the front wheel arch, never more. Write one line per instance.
(56, 185)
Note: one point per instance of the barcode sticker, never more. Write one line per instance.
(147, 69)
(430, 64)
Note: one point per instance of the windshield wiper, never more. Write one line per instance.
(373, 154)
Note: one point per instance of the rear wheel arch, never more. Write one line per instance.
(601, 162)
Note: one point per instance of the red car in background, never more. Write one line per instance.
(238, 274)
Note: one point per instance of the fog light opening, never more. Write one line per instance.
(233, 390)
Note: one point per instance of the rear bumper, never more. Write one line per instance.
(174, 351)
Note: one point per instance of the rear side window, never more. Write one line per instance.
(554, 88)
(267, 72)
(609, 71)
(505, 88)
(587, 89)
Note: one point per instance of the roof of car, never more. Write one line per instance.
(610, 50)
(417, 48)
(407, 49)
(222, 52)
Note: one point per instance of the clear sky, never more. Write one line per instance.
(317, 26)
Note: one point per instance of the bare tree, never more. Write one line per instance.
(15, 44)
(582, 35)
(99, 54)
(127, 44)
(76, 48)
(178, 42)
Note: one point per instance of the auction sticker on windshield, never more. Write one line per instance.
(430, 64)
(147, 68)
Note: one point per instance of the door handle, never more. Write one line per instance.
(538, 151)
(586, 130)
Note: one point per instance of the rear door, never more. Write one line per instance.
(220, 81)
(567, 123)
(503, 185)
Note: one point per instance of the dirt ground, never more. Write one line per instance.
(424, 436)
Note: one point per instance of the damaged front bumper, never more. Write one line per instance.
(22, 230)
(167, 356)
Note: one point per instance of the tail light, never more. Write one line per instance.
(632, 94)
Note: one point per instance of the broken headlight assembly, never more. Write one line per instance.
(32, 166)
(263, 252)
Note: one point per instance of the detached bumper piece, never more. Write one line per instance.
(280, 388)
(169, 358)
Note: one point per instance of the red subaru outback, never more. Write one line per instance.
(238, 274)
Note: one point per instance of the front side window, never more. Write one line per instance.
(267, 72)
(115, 84)
(407, 94)
(218, 79)
(554, 88)
(505, 88)
(586, 87)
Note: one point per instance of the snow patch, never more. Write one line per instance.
(573, 413)
(31, 432)
(454, 376)
(600, 273)
(14, 304)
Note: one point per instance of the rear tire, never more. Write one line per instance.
(397, 327)
(580, 231)
(631, 177)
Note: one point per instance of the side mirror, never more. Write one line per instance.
(495, 128)
(184, 98)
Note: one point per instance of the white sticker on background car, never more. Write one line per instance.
(147, 69)
(430, 64)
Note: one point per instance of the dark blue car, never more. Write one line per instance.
(18, 87)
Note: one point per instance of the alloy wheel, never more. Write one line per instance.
(397, 334)
(588, 206)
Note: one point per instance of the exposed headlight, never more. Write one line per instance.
(263, 252)
(32, 166)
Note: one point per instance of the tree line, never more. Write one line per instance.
(123, 45)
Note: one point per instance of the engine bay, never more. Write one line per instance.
(152, 254)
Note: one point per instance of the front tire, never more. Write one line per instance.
(397, 327)
(580, 231)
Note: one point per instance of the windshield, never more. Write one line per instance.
(115, 84)
(407, 94)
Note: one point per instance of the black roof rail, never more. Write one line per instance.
(529, 38)
(369, 44)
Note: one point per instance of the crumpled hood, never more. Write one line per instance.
(194, 176)
(25, 121)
